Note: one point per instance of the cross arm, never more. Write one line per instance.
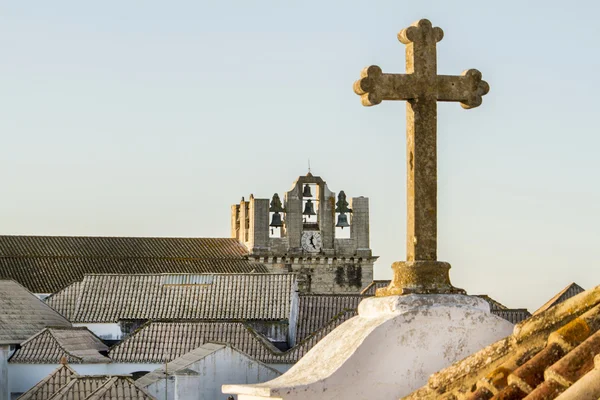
(468, 88)
(374, 86)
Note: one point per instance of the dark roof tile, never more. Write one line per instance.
(44, 390)
(110, 298)
(568, 292)
(159, 342)
(120, 388)
(47, 264)
(77, 345)
(80, 387)
(22, 314)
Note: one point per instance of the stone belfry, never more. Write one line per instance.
(322, 237)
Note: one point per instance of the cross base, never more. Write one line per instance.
(419, 277)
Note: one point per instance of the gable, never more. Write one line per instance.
(58, 378)
(22, 314)
(119, 387)
(571, 290)
(80, 387)
(76, 345)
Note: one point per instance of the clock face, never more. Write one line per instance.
(311, 241)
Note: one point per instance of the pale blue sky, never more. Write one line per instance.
(149, 118)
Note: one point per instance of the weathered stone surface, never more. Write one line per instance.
(341, 265)
(391, 348)
(422, 88)
(425, 277)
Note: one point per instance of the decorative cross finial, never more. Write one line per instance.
(422, 88)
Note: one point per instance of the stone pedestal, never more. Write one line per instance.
(387, 351)
(420, 277)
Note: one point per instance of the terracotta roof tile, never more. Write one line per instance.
(586, 388)
(545, 356)
(46, 264)
(51, 384)
(109, 298)
(77, 345)
(22, 314)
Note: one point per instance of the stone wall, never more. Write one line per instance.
(341, 265)
(325, 275)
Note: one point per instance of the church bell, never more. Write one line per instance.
(309, 207)
(342, 221)
(306, 192)
(276, 220)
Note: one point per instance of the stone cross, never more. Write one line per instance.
(422, 88)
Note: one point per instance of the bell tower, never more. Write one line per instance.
(322, 237)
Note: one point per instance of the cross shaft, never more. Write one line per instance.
(422, 88)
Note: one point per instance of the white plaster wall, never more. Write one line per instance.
(23, 377)
(159, 388)
(4, 378)
(281, 367)
(293, 320)
(129, 368)
(187, 386)
(388, 351)
(223, 366)
(110, 331)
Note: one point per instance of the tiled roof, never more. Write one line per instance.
(588, 387)
(77, 345)
(568, 292)
(120, 388)
(46, 264)
(65, 384)
(159, 342)
(22, 314)
(50, 384)
(179, 363)
(316, 311)
(80, 387)
(120, 247)
(513, 315)
(109, 298)
(65, 300)
(546, 354)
